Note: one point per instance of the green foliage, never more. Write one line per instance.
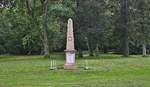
(97, 24)
(13, 28)
(21, 26)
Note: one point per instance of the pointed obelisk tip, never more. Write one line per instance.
(69, 20)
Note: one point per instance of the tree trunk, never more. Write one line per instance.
(97, 50)
(45, 29)
(80, 53)
(78, 33)
(89, 49)
(144, 50)
(124, 26)
(89, 45)
(125, 44)
(126, 53)
(91, 52)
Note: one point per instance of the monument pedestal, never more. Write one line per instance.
(69, 66)
(70, 60)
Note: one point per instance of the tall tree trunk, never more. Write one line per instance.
(91, 52)
(125, 46)
(80, 52)
(124, 26)
(45, 29)
(97, 50)
(142, 15)
(89, 44)
(78, 31)
(144, 50)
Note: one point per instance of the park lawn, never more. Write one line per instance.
(107, 70)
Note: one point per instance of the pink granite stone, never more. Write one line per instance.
(70, 50)
(69, 66)
(70, 36)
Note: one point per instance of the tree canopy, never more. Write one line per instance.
(39, 26)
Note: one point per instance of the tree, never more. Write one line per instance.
(142, 22)
(122, 26)
(45, 28)
(89, 14)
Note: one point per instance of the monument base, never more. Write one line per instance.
(70, 60)
(69, 66)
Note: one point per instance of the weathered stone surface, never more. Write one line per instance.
(70, 50)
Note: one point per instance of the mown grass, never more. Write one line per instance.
(107, 70)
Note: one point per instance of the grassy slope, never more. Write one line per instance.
(106, 71)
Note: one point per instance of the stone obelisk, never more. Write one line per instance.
(70, 50)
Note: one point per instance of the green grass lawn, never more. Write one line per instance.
(107, 70)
